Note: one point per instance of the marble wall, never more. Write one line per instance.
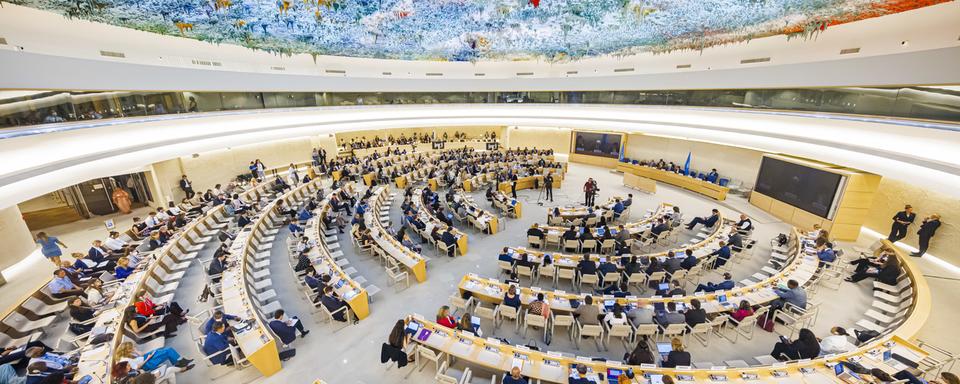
(890, 199)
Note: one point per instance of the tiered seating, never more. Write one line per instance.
(393, 255)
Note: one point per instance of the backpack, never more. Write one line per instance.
(781, 240)
(866, 335)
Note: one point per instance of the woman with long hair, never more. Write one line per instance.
(445, 319)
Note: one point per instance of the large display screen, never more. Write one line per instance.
(597, 144)
(810, 189)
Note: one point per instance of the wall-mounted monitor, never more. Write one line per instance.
(813, 190)
(597, 144)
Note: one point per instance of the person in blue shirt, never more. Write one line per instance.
(793, 294)
(505, 255)
(123, 268)
(826, 254)
(216, 346)
(61, 286)
(618, 208)
(295, 229)
(629, 201)
(723, 255)
(304, 215)
(219, 317)
(726, 284)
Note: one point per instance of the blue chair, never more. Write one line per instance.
(724, 182)
(635, 162)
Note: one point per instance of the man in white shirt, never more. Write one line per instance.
(152, 221)
(837, 342)
(114, 243)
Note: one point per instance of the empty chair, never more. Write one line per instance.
(592, 331)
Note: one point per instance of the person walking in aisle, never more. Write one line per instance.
(901, 221)
(927, 229)
(50, 247)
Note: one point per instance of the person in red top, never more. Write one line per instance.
(146, 307)
(742, 312)
(445, 319)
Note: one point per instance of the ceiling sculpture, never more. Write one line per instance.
(470, 30)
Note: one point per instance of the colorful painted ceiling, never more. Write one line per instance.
(470, 30)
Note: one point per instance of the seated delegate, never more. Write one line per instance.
(286, 327)
(726, 284)
(708, 222)
(805, 346)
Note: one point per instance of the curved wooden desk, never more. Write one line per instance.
(412, 260)
(702, 187)
(426, 215)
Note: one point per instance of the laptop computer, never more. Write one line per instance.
(663, 286)
(664, 349)
(608, 304)
(613, 374)
(846, 375)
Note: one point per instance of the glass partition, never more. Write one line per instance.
(22, 108)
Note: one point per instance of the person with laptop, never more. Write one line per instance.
(672, 263)
(723, 255)
(641, 353)
(805, 346)
(724, 285)
(675, 356)
(670, 316)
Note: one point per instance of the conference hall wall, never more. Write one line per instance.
(213, 167)
(555, 138)
(732, 162)
(893, 194)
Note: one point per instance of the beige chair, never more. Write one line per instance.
(505, 267)
(589, 246)
(638, 280)
(445, 250)
(571, 244)
(563, 321)
(672, 330)
(566, 274)
(552, 239)
(486, 313)
(508, 312)
(648, 330)
(656, 277)
(594, 331)
(746, 326)
(535, 242)
(622, 331)
(549, 271)
(443, 375)
(611, 277)
(700, 332)
(607, 246)
(398, 277)
(460, 304)
(424, 353)
(590, 279)
(526, 271)
(534, 320)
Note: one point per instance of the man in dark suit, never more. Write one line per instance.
(217, 266)
(571, 234)
(548, 185)
(735, 241)
(535, 231)
(927, 230)
(901, 221)
(671, 316)
(285, 328)
(695, 315)
(216, 343)
(690, 261)
(450, 240)
(723, 255)
(708, 221)
(673, 263)
(659, 228)
(605, 268)
(724, 285)
(333, 304)
(187, 187)
(513, 186)
(587, 266)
